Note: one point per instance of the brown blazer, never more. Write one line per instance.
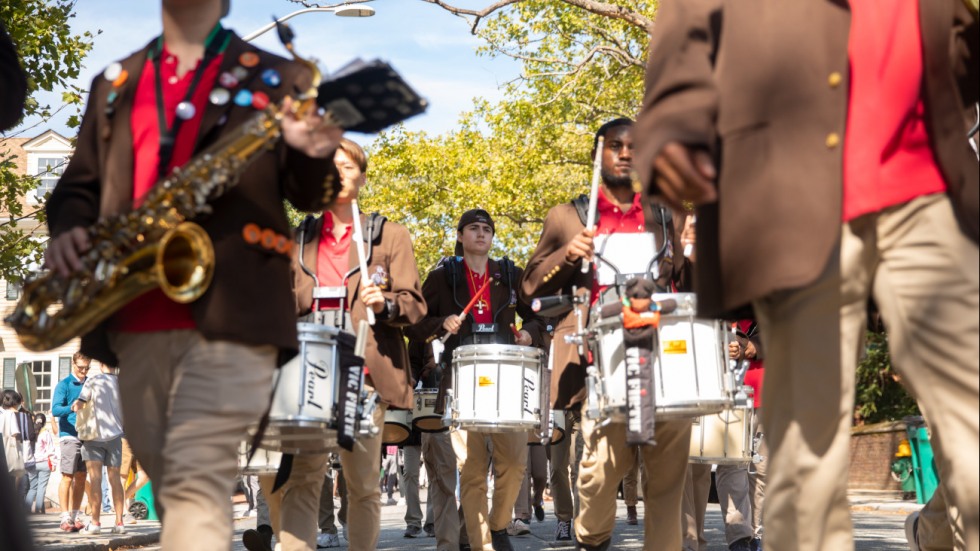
(764, 86)
(549, 274)
(444, 298)
(391, 263)
(249, 298)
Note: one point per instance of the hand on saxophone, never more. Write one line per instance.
(312, 133)
(63, 253)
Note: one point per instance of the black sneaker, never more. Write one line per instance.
(563, 532)
(757, 544)
(744, 544)
(413, 532)
(430, 530)
(500, 540)
(259, 539)
(539, 513)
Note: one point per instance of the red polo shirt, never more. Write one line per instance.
(887, 156)
(153, 311)
(332, 259)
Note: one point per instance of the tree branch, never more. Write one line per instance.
(599, 8)
(477, 15)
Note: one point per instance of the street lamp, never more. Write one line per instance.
(340, 11)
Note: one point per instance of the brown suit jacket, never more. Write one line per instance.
(444, 298)
(249, 298)
(549, 274)
(391, 263)
(764, 86)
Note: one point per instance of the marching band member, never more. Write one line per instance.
(838, 147)
(555, 268)
(191, 374)
(447, 289)
(394, 295)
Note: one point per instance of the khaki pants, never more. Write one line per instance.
(605, 461)
(294, 508)
(409, 485)
(327, 517)
(362, 468)
(509, 462)
(440, 465)
(630, 483)
(564, 471)
(187, 403)
(697, 486)
(535, 476)
(757, 478)
(922, 272)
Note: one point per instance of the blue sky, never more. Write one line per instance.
(432, 49)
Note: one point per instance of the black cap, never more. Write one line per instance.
(475, 215)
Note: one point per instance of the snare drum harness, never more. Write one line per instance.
(640, 335)
(351, 366)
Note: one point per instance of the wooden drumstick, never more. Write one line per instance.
(469, 307)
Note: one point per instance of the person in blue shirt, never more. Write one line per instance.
(72, 467)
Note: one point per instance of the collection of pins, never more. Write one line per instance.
(220, 95)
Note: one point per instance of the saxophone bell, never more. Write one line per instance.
(185, 262)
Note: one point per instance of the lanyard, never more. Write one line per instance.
(215, 44)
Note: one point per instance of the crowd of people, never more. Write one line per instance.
(83, 441)
(795, 160)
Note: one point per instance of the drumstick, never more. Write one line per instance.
(469, 307)
(361, 253)
(689, 248)
(594, 192)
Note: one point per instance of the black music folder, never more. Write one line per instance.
(368, 96)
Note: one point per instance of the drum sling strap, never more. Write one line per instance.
(641, 341)
(639, 345)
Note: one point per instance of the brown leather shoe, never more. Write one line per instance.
(631, 515)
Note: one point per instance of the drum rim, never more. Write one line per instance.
(509, 426)
(510, 350)
(300, 421)
(304, 327)
(415, 425)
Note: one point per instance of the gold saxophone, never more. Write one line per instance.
(153, 245)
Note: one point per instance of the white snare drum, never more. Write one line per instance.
(398, 427)
(689, 366)
(557, 430)
(497, 387)
(724, 438)
(263, 462)
(302, 417)
(424, 416)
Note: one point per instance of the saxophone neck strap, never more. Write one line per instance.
(214, 46)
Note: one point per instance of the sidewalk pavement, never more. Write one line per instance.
(878, 520)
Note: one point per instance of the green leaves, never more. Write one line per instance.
(880, 395)
(531, 151)
(51, 55)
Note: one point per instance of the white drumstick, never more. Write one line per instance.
(594, 192)
(689, 248)
(360, 245)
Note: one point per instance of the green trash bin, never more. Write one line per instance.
(923, 462)
(142, 507)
